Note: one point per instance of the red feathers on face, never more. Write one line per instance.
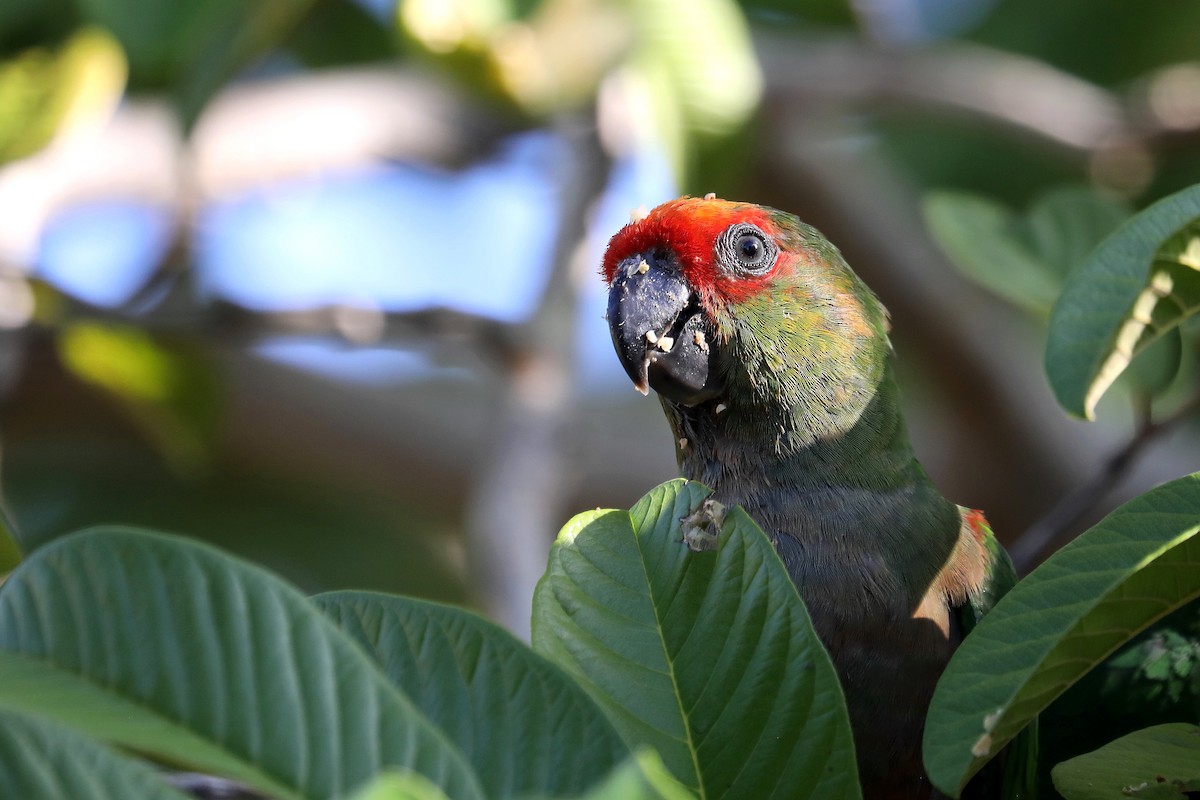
(689, 227)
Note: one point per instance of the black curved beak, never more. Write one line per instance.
(661, 335)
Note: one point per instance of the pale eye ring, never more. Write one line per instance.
(745, 250)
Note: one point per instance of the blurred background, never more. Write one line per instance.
(316, 280)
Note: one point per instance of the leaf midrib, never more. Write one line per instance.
(658, 629)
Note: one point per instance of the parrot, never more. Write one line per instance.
(772, 363)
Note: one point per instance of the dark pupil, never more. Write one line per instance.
(750, 249)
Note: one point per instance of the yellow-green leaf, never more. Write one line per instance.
(1136, 565)
(1158, 762)
(170, 391)
(1141, 282)
(44, 91)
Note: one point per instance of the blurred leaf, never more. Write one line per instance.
(171, 393)
(1140, 283)
(832, 13)
(340, 32)
(642, 777)
(41, 760)
(698, 72)
(189, 48)
(10, 551)
(538, 57)
(43, 92)
(527, 728)
(458, 35)
(557, 58)
(981, 239)
(1064, 225)
(1022, 258)
(400, 786)
(1076, 37)
(1158, 762)
(214, 652)
(690, 75)
(689, 652)
(1133, 567)
(251, 509)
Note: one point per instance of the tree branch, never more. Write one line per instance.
(1054, 529)
(527, 471)
(997, 87)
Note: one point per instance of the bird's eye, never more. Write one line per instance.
(745, 250)
(750, 249)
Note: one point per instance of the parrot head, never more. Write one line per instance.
(735, 304)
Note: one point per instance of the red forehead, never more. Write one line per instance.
(688, 227)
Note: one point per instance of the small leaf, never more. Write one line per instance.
(400, 786)
(42, 91)
(642, 777)
(524, 724)
(1139, 283)
(42, 760)
(1133, 567)
(707, 657)
(222, 664)
(1162, 761)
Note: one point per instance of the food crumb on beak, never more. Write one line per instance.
(701, 342)
(638, 214)
(651, 336)
(643, 267)
(665, 343)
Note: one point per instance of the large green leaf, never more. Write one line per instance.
(1139, 283)
(1136, 565)
(37, 687)
(43, 761)
(524, 724)
(707, 657)
(230, 664)
(1158, 762)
